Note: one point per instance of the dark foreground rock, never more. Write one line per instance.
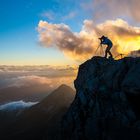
(107, 102)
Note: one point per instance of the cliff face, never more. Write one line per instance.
(107, 102)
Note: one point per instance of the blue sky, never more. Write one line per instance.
(18, 34)
(18, 28)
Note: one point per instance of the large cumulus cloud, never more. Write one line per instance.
(82, 45)
(61, 36)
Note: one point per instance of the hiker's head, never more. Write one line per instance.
(103, 37)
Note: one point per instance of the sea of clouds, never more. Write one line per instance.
(18, 76)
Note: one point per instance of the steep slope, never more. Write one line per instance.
(42, 118)
(107, 102)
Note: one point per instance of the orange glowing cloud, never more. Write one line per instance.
(82, 45)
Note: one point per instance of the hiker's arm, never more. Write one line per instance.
(101, 41)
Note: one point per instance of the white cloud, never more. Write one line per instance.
(70, 15)
(48, 14)
(31, 80)
(17, 105)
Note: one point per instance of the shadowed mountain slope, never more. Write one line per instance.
(42, 118)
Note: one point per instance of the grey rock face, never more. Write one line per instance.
(107, 102)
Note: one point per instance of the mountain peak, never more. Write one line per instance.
(106, 105)
(63, 94)
(64, 89)
(64, 86)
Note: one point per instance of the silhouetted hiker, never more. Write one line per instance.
(104, 40)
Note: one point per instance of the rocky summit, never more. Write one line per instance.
(107, 101)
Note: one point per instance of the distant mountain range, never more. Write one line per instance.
(41, 119)
(25, 93)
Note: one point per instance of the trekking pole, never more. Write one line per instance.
(97, 48)
(100, 51)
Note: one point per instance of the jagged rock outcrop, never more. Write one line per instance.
(107, 102)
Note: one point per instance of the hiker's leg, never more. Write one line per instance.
(110, 54)
(106, 53)
(108, 50)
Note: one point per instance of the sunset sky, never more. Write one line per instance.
(65, 32)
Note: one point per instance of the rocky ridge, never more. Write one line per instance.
(107, 101)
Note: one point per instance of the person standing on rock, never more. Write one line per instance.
(106, 41)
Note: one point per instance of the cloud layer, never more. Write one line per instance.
(82, 45)
(25, 76)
